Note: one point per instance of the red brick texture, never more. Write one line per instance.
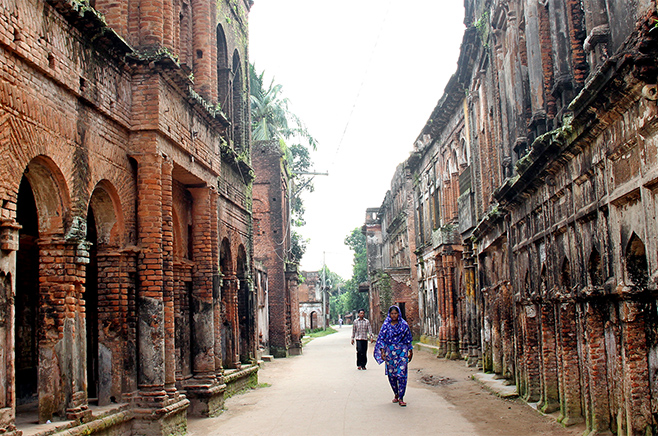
(116, 161)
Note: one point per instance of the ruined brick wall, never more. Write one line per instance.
(272, 244)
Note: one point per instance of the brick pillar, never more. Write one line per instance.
(168, 278)
(549, 384)
(295, 327)
(570, 393)
(150, 298)
(598, 407)
(202, 42)
(637, 395)
(112, 319)
(203, 326)
(230, 357)
(9, 237)
(531, 357)
(452, 351)
(441, 307)
(62, 342)
(151, 23)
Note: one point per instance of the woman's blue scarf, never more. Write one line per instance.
(390, 334)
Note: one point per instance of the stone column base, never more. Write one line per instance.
(206, 401)
(279, 352)
(165, 421)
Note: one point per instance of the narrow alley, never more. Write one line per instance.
(322, 393)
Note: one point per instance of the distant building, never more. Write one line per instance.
(272, 243)
(312, 306)
(390, 245)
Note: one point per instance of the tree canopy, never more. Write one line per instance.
(350, 299)
(271, 119)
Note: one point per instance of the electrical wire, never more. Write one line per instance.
(365, 75)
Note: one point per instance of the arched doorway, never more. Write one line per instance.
(227, 325)
(91, 309)
(245, 308)
(26, 328)
(314, 320)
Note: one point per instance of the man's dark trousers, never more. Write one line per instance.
(361, 353)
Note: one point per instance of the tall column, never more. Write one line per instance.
(598, 413)
(295, 327)
(549, 395)
(168, 277)
(531, 355)
(570, 393)
(9, 237)
(150, 298)
(203, 326)
(151, 24)
(202, 42)
(62, 374)
(441, 305)
(637, 395)
(453, 339)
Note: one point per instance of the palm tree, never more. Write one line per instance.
(270, 116)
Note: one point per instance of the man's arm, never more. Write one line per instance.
(353, 331)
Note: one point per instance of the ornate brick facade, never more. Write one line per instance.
(535, 208)
(125, 211)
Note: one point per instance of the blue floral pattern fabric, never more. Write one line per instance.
(393, 346)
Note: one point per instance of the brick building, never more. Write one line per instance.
(313, 306)
(390, 243)
(272, 241)
(125, 232)
(535, 203)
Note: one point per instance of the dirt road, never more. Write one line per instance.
(322, 393)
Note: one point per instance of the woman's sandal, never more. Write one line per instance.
(396, 400)
(402, 403)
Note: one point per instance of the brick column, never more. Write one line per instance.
(150, 298)
(230, 357)
(598, 407)
(9, 237)
(62, 371)
(531, 356)
(549, 384)
(168, 278)
(295, 327)
(151, 23)
(203, 37)
(570, 393)
(441, 306)
(202, 299)
(637, 395)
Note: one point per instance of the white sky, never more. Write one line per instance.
(322, 52)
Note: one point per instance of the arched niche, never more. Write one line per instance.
(637, 270)
(51, 195)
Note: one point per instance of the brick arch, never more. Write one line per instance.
(106, 205)
(238, 114)
(637, 270)
(223, 70)
(51, 194)
(225, 258)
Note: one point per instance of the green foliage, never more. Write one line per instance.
(351, 300)
(482, 28)
(271, 119)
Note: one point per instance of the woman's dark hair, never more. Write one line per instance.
(394, 309)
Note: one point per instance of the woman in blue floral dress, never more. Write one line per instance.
(394, 347)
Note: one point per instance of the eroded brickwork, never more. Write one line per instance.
(272, 246)
(540, 262)
(120, 176)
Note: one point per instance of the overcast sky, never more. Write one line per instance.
(373, 69)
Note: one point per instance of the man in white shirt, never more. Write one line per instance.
(361, 332)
